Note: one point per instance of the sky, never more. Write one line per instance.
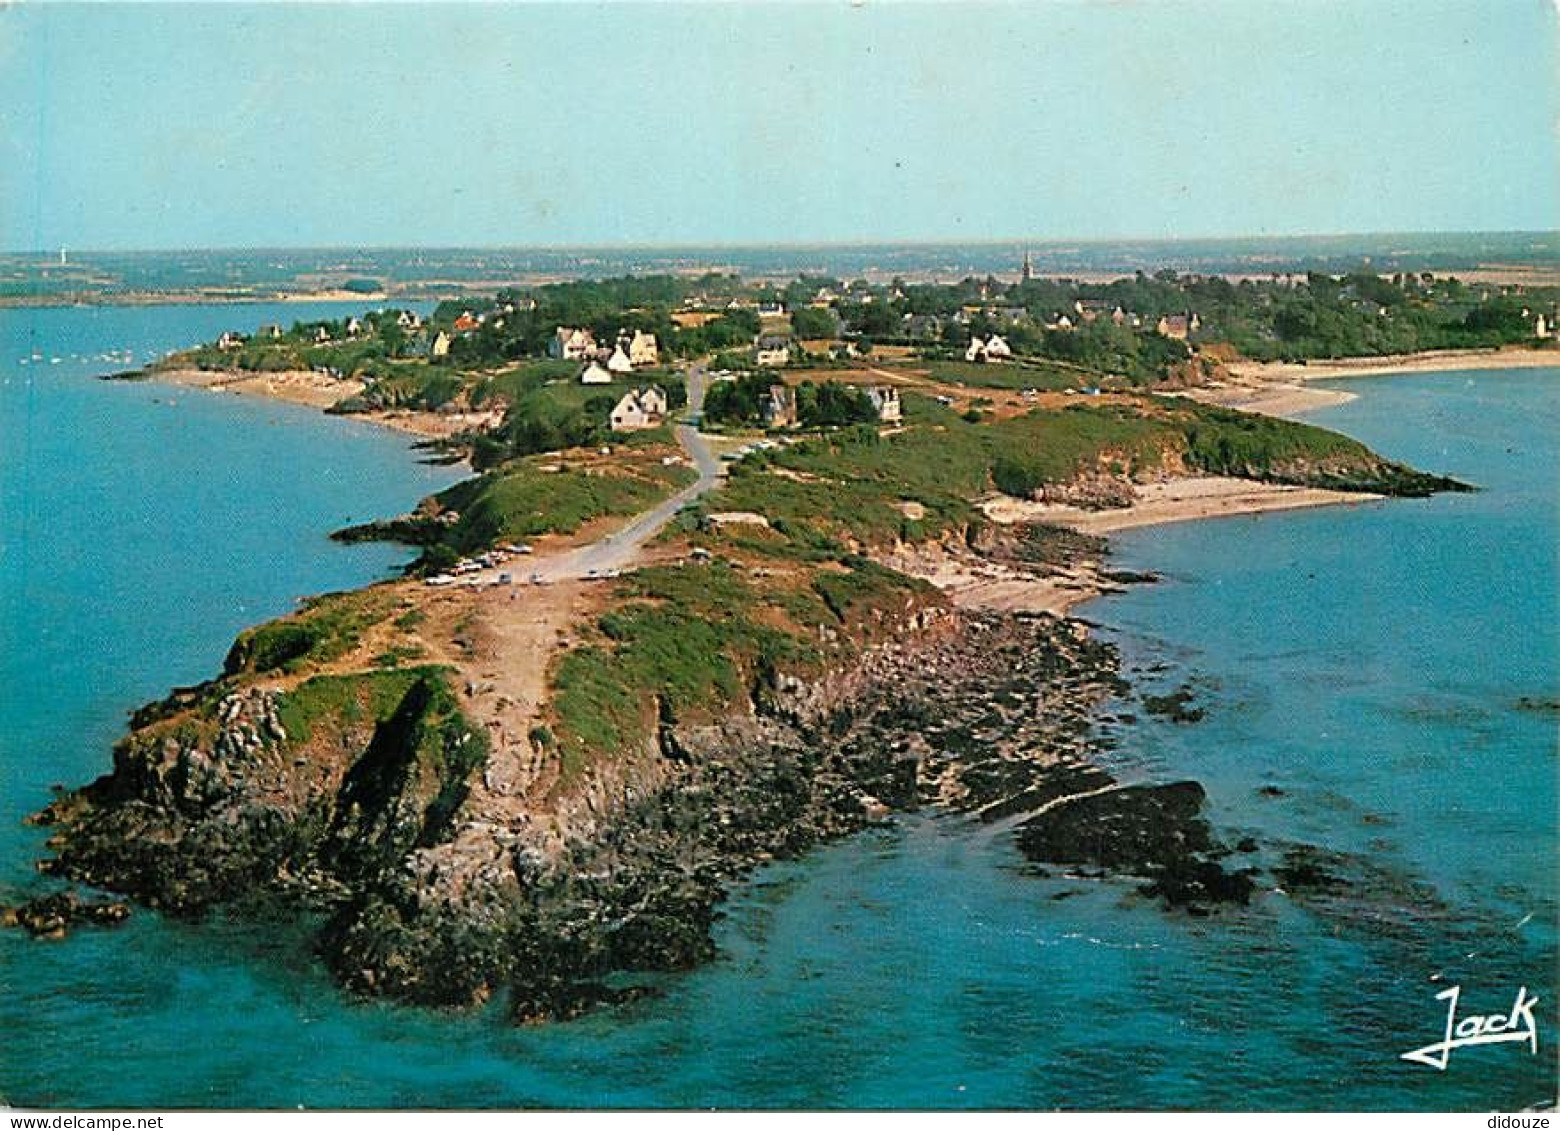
(145, 125)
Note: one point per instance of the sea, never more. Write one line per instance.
(1377, 680)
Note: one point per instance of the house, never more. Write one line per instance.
(321, 335)
(354, 327)
(779, 407)
(271, 330)
(617, 361)
(643, 350)
(993, 348)
(1541, 328)
(885, 398)
(407, 320)
(629, 414)
(1178, 326)
(595, 374)
(773, 349)
(569, 344)
(771, 310)
(1091, 308)
(1060, 322)
(922, 327)
(441, 345)
(230, 340)
(654, 400)
(466, 323)
(639, 408)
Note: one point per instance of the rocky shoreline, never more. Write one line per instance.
(988, 714)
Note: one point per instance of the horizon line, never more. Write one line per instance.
(819, 245)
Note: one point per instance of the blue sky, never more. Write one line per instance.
(233, 125)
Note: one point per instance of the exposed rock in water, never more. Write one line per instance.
(1538, 704)
(51, 916)
(1154, 831)
(1177, 706)
(1307, 868)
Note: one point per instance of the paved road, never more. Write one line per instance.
(619, 549)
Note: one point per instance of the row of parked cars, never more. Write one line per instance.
(497, 556)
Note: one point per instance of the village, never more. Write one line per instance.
(500, 370)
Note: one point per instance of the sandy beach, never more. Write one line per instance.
(1176, 500)
(1277, 388)
(319, 391)
(1284, 372)
(975, 582)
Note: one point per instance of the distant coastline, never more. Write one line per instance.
(1286, 389)
(1388, 365)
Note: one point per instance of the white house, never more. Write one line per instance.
(773, 350)
(654, 400)
(618, 362)
(570, 344)
(638, 409)
(230, 340)
(441, 345)
(1541, 327)
(643, 350)
(993, 348)
(595, 374)
(354, 327)
(885, 398)
(629, 414)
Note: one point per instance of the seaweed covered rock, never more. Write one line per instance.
(1154, 831)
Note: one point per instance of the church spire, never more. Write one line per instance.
(1029, 267)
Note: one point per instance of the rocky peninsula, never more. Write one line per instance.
(535, 770)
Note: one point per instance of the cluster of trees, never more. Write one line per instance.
(827, 404)
(737, 402)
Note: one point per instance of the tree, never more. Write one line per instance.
(812, 322)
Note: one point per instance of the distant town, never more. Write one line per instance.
(530, 369)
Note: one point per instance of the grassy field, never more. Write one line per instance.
(558, 494)
(1047, 376)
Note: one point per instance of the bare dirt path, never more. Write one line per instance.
(514, 630)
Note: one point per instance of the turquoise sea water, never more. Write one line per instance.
(1368, 662)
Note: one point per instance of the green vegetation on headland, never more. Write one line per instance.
(692, 641)
(531, 496)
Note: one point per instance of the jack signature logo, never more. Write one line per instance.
(1496, 1029)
